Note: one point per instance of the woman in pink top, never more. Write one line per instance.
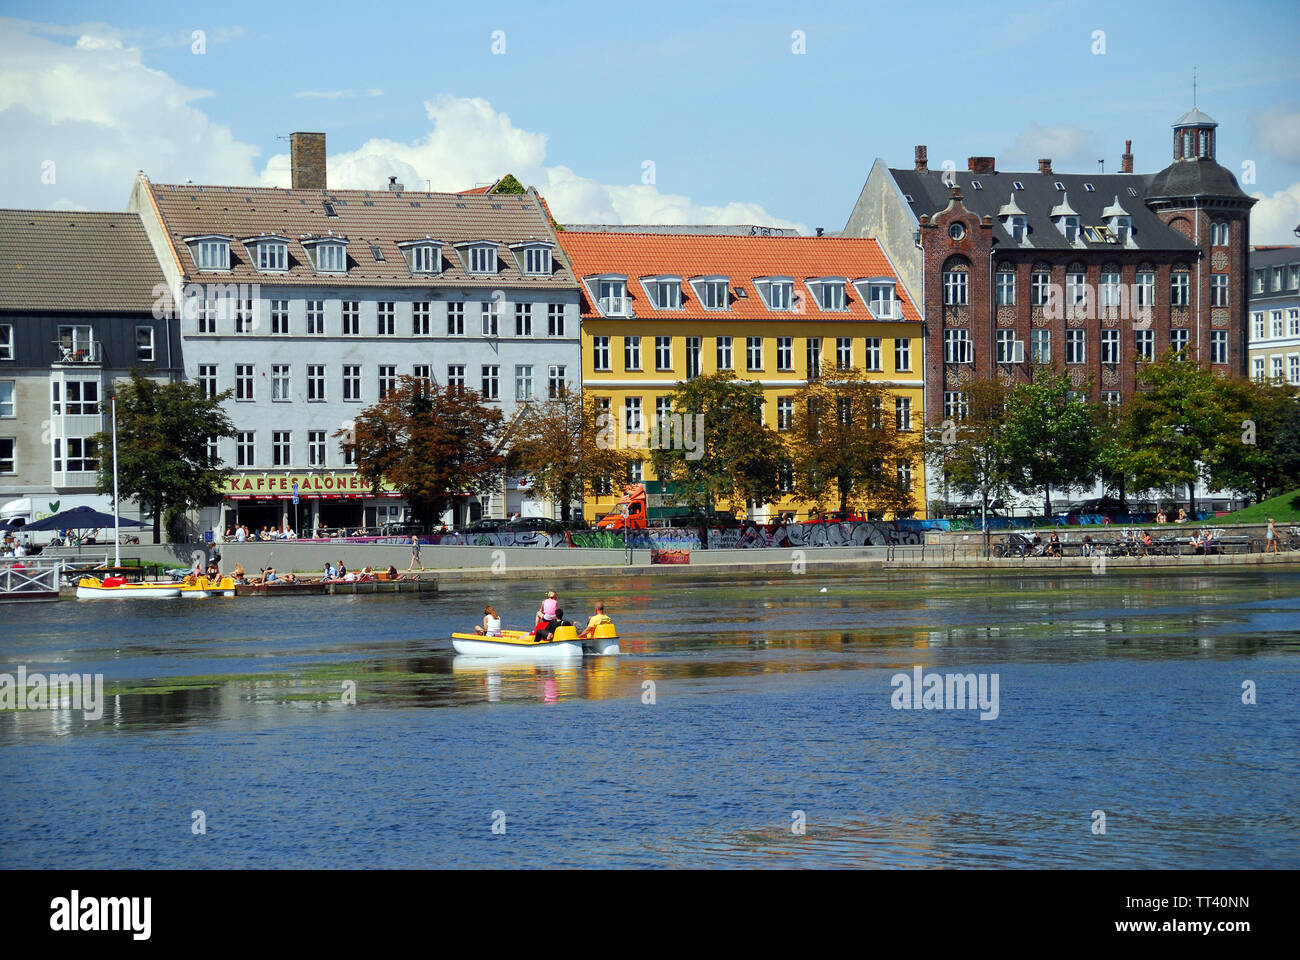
(547, 613)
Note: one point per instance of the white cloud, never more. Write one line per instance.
(1273, 220)
(88, 116)
(1066, 145)
(1278, 132)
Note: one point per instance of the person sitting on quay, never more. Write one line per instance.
(366, 574)
(1037, 544)
(1182, 516)
(241, 534)
(289, 577)
(1196, 543)
(238, 573)
(491, 623)
(1147, 542)
(1087, 549)
(1054, 545)
(598, 618)
(1162, 517)
(343, 571)
(331, 572)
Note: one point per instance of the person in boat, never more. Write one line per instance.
(548, 632)
(598, 619)
(392, 573)
(546, 614)
(491, 623)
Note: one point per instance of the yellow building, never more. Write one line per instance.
(658, 309)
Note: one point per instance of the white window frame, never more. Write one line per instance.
(600, 354)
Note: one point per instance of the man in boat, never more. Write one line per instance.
(598, 618)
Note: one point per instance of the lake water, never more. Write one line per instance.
(747, 723)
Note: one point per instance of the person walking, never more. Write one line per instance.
(415, 554)
(1271, 537)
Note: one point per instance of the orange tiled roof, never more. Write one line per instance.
(742, 259)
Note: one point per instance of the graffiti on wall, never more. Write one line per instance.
(870, 533)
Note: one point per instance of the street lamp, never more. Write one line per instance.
(117, 525)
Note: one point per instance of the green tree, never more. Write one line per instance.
(845, 444)
(969, 451)
(556, 443)
(736, 459)
(1266, 462)
(430, 443)
(163, 455)
(1049, 436)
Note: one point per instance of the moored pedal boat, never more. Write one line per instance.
(116, 588)
(203, 587)
(519, 644)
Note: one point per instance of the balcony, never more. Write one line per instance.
(615, 306)
(886, 309)
(77, 352)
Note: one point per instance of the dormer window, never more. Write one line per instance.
(611, 296)
(1066, 219)
(882, 299)
(329, 256)
(210, 252)
(664, 292)
(270, 252)
(422, 256)
(829, 292)
(777, 292)
(481, 257)
(534, 257)
(712, 292)
(1016, 227)
(1119, 222)
(1069, 228)
(1013, 219)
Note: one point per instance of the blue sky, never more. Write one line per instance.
(712, 93)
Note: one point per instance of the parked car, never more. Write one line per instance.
(543, 524)
(486, 525)
(401, 529)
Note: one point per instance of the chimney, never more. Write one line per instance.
(821, 231)
(1126, 161)
(1045, 165)
(394, 186)
(307, 160)
(980, 164)
(921, 162)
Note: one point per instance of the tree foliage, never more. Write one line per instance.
(164, 461)
(430, 443)
(969, 452)
(1049, 436)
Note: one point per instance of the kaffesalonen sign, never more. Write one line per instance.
(309, 484)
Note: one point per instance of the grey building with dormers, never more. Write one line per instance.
(310, 303)
(77, 292)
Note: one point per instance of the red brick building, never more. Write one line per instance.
(1087, 272)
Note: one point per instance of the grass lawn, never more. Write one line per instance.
(1283, 509)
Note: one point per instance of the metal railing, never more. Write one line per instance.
(30, 580)
(616, 306)
(77, 351)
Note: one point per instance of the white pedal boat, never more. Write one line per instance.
(520, 645)
(114, 588)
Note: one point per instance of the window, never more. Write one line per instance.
(1277, 367)
(491, 379)
(281, 445)
(1293, 276)
(482, 259)
(244, 319)
(1108, 296)
(881, 301)
(1219, 290)
(421, 318)
(905, 474)
(213, 254)
(456, 376)
(331, 258)
(423, 258)
(1110, 398)
(6, 341)
(631, 353)
(1258, 281)
(778, 293)
(1015, 225)
(830, 294)
(902, 354)
(6, 398)
(387, 379)
(873, 360)
(902, 413)
(956, 346)
(634, 472)
(1258, 322)
(632, 414)
(315, 382)
(524, 382)
(784, 413)
(957, 230)
(280, 386)
(713, 294)
(753, 353)
(1277, 279)
(814, 356)
(555, 386)
(844, 352)
(82, 397)
(667, 294)
(1293, 322)
(613, 300)
(1076, 288)
(785, 477)
(1040, 288)
(537, 260)
(1144, 343)
(555, 319)
(663, 415)
(272, 256)
(1218, 346)
(7, 455)
(1069, 227)
(844, 412)
(316, 448)
(243, 381)
(207, 379)
(315, 318)
(1259, 368)
(144, 344)
(385, 318)
(600, 353)
(523, 319)
(351, 318)
(1218, 234)
(692, 357)
(1178, 340)
(491, 313)
(1123, 227)
(1075, 346)
(244, 448)
(956, 288)
(724, 353)
(422, 371)
(1040, 346)
(1179, 288)
(352, 381)
(1144, 289)
(1277, 323)
(785, 353)
(1292, 368)
(1006, 288)
(82, 457)
(663, 353)
(455, 318)
(955, 406)
(1110, 346)
(1004, 343)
